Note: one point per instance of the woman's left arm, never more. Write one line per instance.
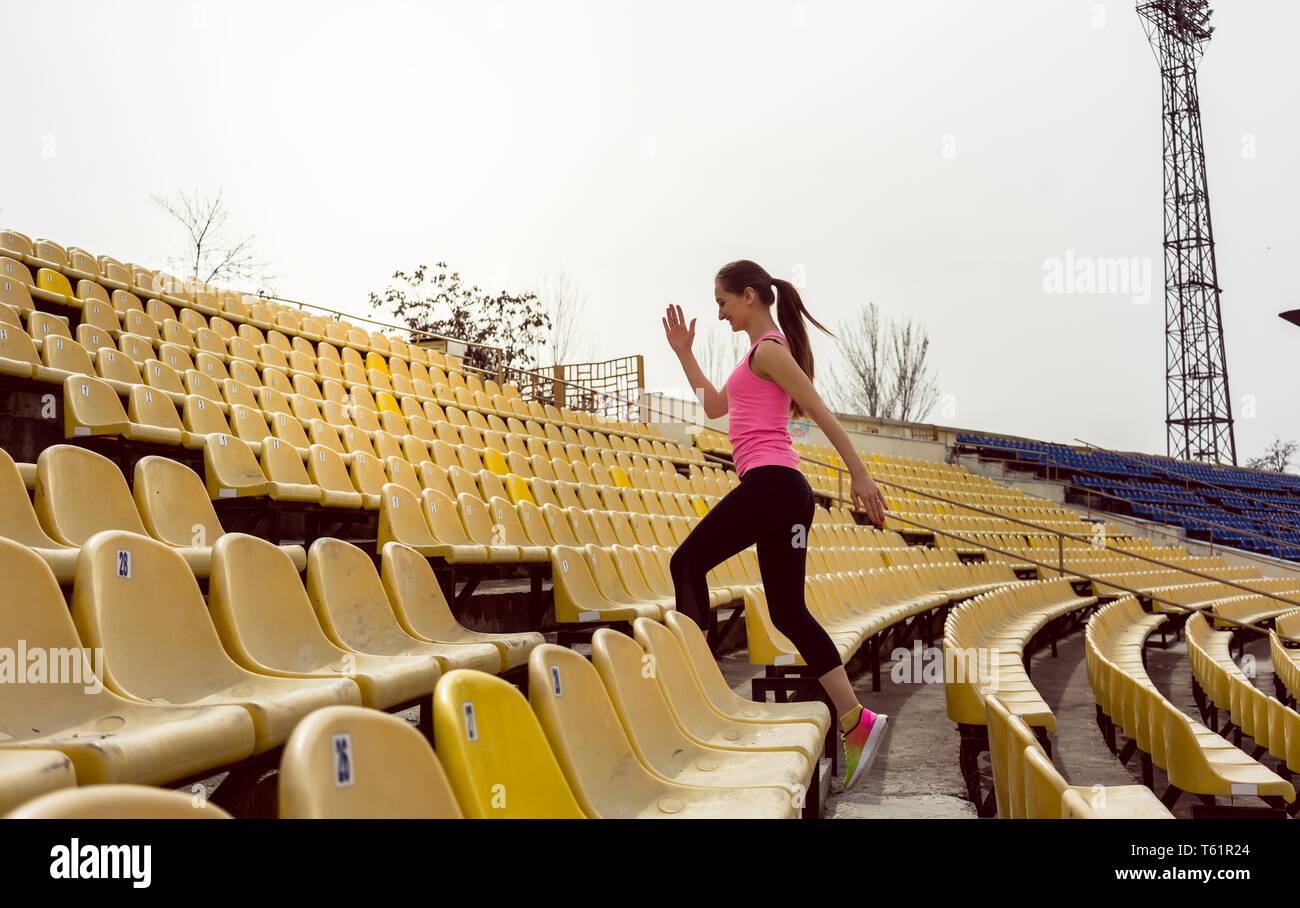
(776, 361)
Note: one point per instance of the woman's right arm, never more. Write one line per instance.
(680, 339)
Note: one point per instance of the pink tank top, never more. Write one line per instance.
(759, 414)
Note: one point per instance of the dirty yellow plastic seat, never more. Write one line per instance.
(495, 754)
(92, 407)
(344, 762)
(18, 522)
(135, 598)
(176, 509)
(1036, 792)
(119, 802)
(353, 608)
(283, 466)
(325, 468)
(108, 738)
(231, 469)
(600, 763)
(80, 493)
(661, 745)
(721, 698)
(579, 599)
(402, 519)
(691, 708)
(27, 774)
(267, 624)
(422, 610)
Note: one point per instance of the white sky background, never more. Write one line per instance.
(639, 147)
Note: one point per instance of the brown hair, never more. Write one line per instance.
(790, 311)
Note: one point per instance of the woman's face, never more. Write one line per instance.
(734, 307)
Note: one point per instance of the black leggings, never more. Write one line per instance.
(773, 506)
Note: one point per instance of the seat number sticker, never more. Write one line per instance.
(124, 563)
(344, 768)
(471, 727)
(555, 681)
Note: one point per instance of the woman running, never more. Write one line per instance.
(773, 506)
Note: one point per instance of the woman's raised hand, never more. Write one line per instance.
(680, 338)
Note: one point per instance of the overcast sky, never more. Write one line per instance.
(942, 159)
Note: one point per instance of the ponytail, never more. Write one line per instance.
(790, 311)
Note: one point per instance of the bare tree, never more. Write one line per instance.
(566, 305)
(212, 254)
(886, 371)
(913, 387)
(864, 386)
(1277, 456)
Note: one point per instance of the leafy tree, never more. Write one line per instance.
(436, 301)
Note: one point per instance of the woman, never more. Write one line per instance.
(773, 505)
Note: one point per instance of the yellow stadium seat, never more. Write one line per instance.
(701, 723)
(282, 464)
(722, 699)
(662, 746)
(18, 522)
(354, 611)
(600, 764)
(231, 469)
(407, 519)
(108, 738)
(80, 493)
(325, 468)
(267, 624)
(119, 802)
(135, 598)
(175, 508)
(579, 599)
(422, 610)
(495, 753)
(343, 762)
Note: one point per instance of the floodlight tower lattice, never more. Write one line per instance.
(1197, 402)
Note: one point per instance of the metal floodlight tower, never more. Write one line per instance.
(1197, 403)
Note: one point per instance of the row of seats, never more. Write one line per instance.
(1274, 726)
(857, 594)
(602, 738)
(182, 322)
(235, 674)
(1286, 660)
(985, 639)
(1028, 786)
(1195, 759)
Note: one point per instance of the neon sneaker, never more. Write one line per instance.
(863, 743)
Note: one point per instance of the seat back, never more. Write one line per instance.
(627, 672)
(673, 672)
(415, 594)
(493, 749)
(18, 520)
(1043, 786)
(137, 599)
(79, 493)
(118, 802)
(347, 762)
(443, 521)
(348, 595)
(401, 520)
(173, 504)
(585, 733)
